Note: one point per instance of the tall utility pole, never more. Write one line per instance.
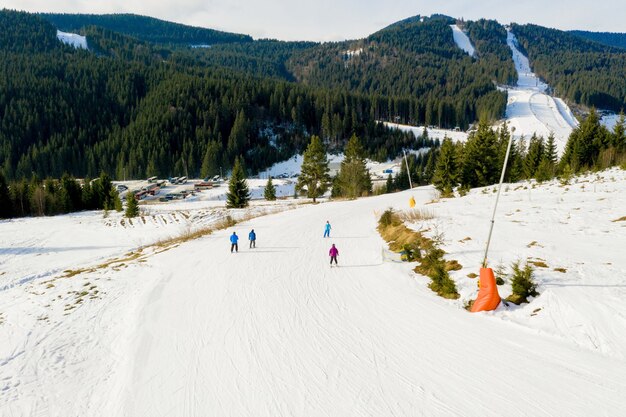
(493, 216)
(408, 172)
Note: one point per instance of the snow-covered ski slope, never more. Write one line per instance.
(72, 39)
(192, 330)
(530, 109)
(462, 40)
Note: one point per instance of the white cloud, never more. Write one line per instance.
(348, 19)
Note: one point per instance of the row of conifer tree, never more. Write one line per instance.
(475, 163)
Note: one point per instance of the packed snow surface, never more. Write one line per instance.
(462, 40)
(188, 328)
(77, 41)
(530, 109)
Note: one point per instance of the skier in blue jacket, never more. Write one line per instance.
(233, 242)
(252, 239)
(327, 229)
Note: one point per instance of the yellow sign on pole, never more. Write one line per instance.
(412, 202)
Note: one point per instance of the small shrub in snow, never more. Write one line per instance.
(522, 283)
(441, 282)
(388, 218)
(566, 175)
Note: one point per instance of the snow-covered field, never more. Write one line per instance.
(291, 167)
(433, 133)
(191, 329)
(72, 39)
(462, 40)
(530, 109)
(609, 120)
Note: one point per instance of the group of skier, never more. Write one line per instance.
(234, 243)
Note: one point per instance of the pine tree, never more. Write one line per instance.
(446, 174)
(585, 143)
(354, 177)
(238, 135)
(238, 194)
(389, 184)
(480, 161)
(513, 166)
(619, 134)
(132, 206)
(5, 199)
(88, 199)
(116, 202)
(533, 156)
(270, 191)
(211, 159)
(545, 171)
(314, 176)
(550, 150)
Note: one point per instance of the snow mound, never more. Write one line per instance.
(462, 40)
(72, 39)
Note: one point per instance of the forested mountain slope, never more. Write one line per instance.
(417, 61)
(607, 38)
(145, 28)
(135, 113)
(580, 70)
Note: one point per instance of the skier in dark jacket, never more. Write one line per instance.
(333, 252)
(252, 239)
(233, 242)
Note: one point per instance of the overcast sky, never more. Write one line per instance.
(327, 20)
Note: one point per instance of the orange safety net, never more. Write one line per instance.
(488, 297)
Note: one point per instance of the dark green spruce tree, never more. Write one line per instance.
(480, 162)
(314, 176)
(389, 185)
(270, 190)
(619, 134)
(446, 169)
(132, 206)
(6, 209)
(238, 194)
(354, 178)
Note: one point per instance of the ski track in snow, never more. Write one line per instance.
(530, 109)
(462, 40)
(196, 330)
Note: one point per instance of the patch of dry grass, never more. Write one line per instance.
(416, 215)
(561, 270)
(621, 219)
(539, 264)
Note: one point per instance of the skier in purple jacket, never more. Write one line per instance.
(333, 252)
